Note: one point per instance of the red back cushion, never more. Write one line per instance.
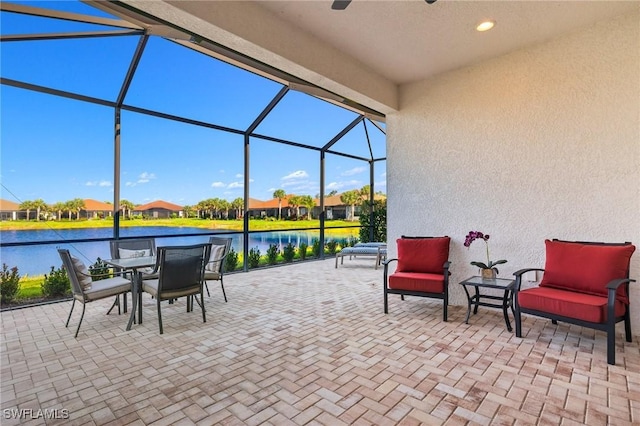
(422, 254)
(585, 267)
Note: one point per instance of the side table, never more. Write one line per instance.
(503, 284)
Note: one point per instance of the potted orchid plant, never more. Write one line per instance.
(489, 269)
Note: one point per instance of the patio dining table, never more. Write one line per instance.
(134, 265)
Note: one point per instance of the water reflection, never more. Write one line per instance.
(38, 259)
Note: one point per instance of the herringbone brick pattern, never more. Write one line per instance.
(309, 344)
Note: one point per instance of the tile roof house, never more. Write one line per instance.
(159, 209)
(94, 209)
(9, 210)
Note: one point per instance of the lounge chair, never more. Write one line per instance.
(377, 250)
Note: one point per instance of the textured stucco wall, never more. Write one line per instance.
(540, 143)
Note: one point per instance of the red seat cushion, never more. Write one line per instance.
(415, 281)
(586, 268)
(426, 255)
(586, 307)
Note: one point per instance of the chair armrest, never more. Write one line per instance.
(518, 274)
(386, 266)
(613, 285)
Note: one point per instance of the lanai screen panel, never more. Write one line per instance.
(55, 149)
(276, 166)
(180, 163)
(180, 81)
(364, 140)
(89, 66)
(305, 119)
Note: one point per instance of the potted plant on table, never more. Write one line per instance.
(488, 270)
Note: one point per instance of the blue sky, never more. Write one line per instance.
(58, 149)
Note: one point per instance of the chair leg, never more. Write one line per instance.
(386, 301)
(204, 317)
(445, 309)
(518, 319)
(116, 302)
(207, 287)
(554, 322)
(70, 312)
(627, 325)
(223, 293)
(159, 314)
(80, 322)
(611, 342)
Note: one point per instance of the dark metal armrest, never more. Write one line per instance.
(386, 267)
(518, 274)
(613, 285)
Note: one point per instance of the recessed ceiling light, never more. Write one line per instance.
(485, 25)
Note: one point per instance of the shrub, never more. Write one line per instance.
(231, 261)
(100, 270)
(56, 283)
(315, 247)
(289, 252)
(332, 246)
(9, 283)
(379, 225)
(272, 254)
(302, 250)
(254, 257)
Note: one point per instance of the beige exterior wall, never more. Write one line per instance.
(540, 143)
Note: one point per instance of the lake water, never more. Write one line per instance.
(38, 259)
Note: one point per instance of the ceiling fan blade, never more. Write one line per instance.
(340, 4)
(430, 1)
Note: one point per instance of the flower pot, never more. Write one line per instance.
(489, 273)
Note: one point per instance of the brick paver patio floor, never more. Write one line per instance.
(309, 344)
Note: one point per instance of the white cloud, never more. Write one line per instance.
(298, 174)
(102, 183)
(239, 175)
(236, 185)
(146, 177)
(347, 185)
(354, 171)
(218, 185)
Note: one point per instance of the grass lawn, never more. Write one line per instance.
(237, 225)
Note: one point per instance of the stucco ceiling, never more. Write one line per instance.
(411, 40)
(364, 53)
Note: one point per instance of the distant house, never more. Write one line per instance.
(10, 210)
(94, 209)
(159, 209)
(269, 208)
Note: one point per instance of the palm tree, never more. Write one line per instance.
(68, 206)
(201, 206)
(188, 210)
(28, 206)
(351, 198)
(126, 206)
(295, 202)
(238, 205)
(307, 202)
(224, 206)
(58, 207)
(76, 205)
(40, 207)
(280, 195)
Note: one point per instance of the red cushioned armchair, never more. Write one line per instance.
(584, 283)
(422, 270)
